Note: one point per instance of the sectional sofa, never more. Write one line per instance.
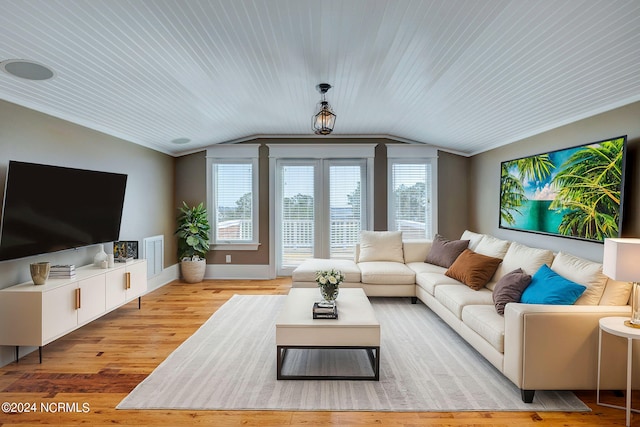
(541, 346)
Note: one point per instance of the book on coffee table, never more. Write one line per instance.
(322, 310)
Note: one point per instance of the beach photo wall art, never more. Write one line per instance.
(574, 192)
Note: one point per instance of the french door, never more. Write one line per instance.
(320, 209)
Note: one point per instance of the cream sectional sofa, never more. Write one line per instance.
(536, 346)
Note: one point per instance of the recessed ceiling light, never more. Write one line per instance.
(26, 69)
(181, 141)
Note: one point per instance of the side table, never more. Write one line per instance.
(615, 326)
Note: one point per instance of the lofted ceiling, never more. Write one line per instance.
(463, 75)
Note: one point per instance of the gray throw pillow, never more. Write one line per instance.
(444, 252)
(509, 288)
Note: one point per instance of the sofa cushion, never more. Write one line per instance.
(492, 246)
(416, 250)
(509, 288)
(473, 238)
(616, 293)
(306, 271)
(386, 273)
(381, 246)
(548, 287)
(429, 280)
(484, 321)
(584, 272)
(423, 267)
(444, 251)
(524, 257)
(456, 297)
(473, 269)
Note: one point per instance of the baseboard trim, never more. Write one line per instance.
(166, 276)
(248, 272)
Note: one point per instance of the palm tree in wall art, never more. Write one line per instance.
(574, 192)
(512, 190)
(588, 187)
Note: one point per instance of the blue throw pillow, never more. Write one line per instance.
(548, 287)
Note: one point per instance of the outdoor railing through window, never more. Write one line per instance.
(298, 239)
(235, 230)
(298, 236)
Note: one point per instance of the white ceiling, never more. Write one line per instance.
(466, 76)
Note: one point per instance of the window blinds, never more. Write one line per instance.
(234, 201)
(411, 199)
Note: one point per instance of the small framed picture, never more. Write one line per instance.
(125, 249)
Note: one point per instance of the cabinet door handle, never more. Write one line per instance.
(78, 299)
(128, 280)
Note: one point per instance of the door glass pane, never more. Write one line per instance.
(298, 214)
(345, 210)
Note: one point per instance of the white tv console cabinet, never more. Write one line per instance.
(35, 315)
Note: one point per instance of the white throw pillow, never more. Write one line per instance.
(524, 257)
(381, 246)
(491, 246)
(584, 272)
(473, 238)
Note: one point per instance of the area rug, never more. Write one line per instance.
(230, 364)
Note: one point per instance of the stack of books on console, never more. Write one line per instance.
(67, 271)
(325, 310)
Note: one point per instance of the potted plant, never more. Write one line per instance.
(193, 241)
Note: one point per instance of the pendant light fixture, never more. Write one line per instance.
(324, 119)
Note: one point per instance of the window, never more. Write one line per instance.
(412, 191)
(233, 196)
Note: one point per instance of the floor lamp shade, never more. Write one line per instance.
(621, 261)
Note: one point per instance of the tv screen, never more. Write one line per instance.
(574, 192)
(52, 208)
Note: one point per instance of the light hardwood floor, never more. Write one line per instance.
(100, 363)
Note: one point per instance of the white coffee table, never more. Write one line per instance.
(355, 329)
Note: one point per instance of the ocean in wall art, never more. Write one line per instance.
(537, 216)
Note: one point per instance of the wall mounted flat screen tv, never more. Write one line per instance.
(52, 208)
(574, 192)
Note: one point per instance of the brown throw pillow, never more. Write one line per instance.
(509, 288)
(444, 252)
(473, 269)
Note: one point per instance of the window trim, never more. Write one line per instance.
(240, 153)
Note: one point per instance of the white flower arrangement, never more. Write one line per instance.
(332, 277)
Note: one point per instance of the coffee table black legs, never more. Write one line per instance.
(372, 352)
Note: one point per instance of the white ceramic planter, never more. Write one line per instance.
(193, 271)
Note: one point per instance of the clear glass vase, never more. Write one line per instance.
(329, 292)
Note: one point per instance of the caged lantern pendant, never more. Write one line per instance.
(324, 120)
